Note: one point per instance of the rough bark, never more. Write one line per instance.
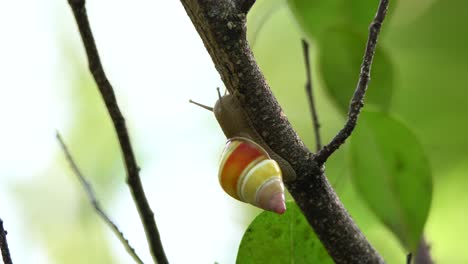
(221, 25)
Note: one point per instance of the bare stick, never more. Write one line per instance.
(310, 95)
(409, 257)
(357, 102)
(423, 254)
(221, 25)
(4, 245)
(95, 203)
(107, 93)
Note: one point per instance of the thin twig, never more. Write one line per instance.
(92, 198)
(357, 102)
(4, 245)
(310, 95)
(409, 257)
(221, 25)
(107, 93)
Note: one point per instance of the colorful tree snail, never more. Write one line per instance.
(249, 171)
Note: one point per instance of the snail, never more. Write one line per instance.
(249, 171)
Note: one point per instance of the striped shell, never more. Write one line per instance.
(248, 174)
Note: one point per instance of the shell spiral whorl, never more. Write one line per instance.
(248, 174)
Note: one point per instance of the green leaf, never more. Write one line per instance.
(340, 58)
(392, 174)
(315, 16)
(340, 29)
(362, 12)
(286, 238)
(318, 15)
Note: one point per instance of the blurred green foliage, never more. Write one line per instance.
(418, 77)
(392, 174)
(340, 56)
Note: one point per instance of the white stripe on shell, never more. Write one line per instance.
(244, 175)
(250, 173)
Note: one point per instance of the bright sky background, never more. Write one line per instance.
(156, 62)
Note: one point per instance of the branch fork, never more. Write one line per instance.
(233, 58)
(221, 26)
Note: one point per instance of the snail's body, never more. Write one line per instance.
(235, 123)
(250, 171)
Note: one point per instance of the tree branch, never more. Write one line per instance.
(4, 245)
(310, 95)
(409, 258)
(95, 203)
(357, 102)
(107, 93)
(221, 26)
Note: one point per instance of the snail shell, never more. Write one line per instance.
(235, 123)
(248, 174)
